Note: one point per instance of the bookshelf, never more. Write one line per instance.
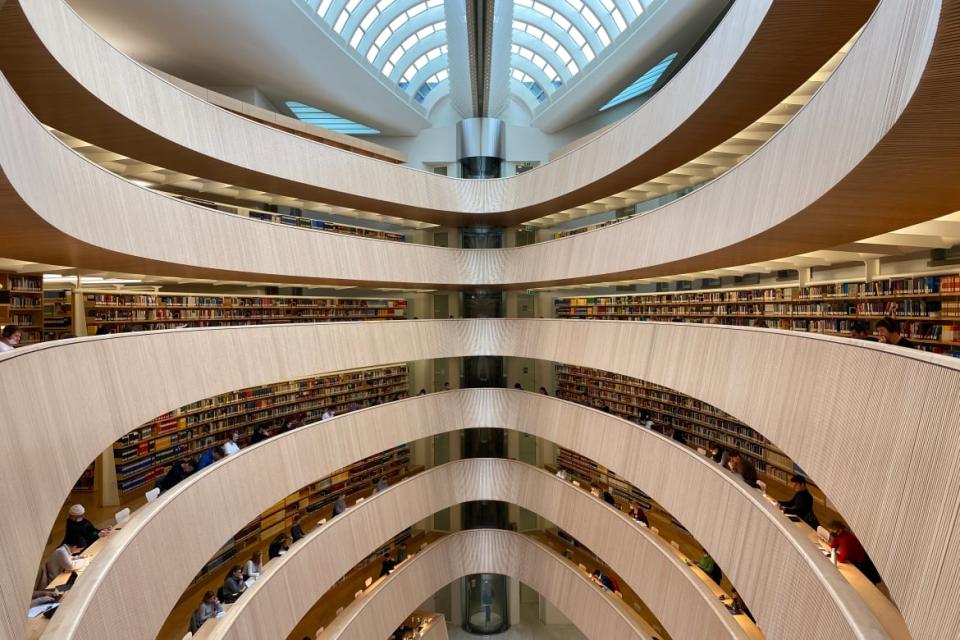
(312, 503)
(143, 310)
(297, 220)
(86, 481)
(701, 425)
(928, 307)
(21, 303)
(144, 455)
(582, 468)
(57, 314)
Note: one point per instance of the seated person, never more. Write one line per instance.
(889, 331)
(278, 547)
(608, 498)
(62, 560)
(296, 531)
(254, 565)
(740, 465)
(233, 585)
(638, 514)
(388, 564)
(260, 433)
(402, 552)
(801, 504)
(209, 608)
(710, 567)
(605, 581)
(738, 606)
(232, 445)
(81, 531)
(850, 550)
(860, 330)
(339, 506)
(175, 475)
(211, 455)
(380, 485)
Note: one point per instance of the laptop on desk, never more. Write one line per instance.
(68, 584)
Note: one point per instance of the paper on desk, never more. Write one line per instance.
(249, 581)
(41, 608)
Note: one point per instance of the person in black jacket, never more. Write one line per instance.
(280, 544)
(296, 532)
(80, 532)
(801, 504)
(388, 564)
(177, 473)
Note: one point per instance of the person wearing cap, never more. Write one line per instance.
(80, 531)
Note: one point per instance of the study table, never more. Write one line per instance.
(36, 626)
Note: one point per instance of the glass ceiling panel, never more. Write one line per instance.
(562, 37)
(312, 115)
(383, 32)
(643, 84)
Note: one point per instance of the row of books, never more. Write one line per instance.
(701, 424)
(114, 299)
(309, 223)
(30, 283)
(144, 454)
(888, 287)
(348, 482)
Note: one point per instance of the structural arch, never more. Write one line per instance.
(486, 551)
(804, 381)
(288, 587)
(696, 491)
(723, 88)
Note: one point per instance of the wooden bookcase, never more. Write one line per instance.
(928, 307)
(58, 314)
(144, 455)
(701, 425)
(21, 303)
(296, 221)
(313, 503)
(124, 310)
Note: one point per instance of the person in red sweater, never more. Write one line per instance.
(850, 550)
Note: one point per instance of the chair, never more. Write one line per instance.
(153, 494)
(122, 515)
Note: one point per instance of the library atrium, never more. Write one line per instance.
(530, 319)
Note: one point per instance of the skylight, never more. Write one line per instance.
(554, 40)
(312, 115)
(405, 40)
(642, 84)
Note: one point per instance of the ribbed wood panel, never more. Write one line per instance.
(682, 491)
(808, 394)
(598, 615)
(872, 119)
(291, 584)
(116, 103)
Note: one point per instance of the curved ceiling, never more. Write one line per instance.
(561, 37)
(551, 42)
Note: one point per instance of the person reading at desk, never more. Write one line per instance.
(210, 607)
(850, 550)
(63, 560)
(279, 546)
(254, 565)
(801, 504)
(339, 506)
(80, 531)
(233, 585)
(387, 565)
